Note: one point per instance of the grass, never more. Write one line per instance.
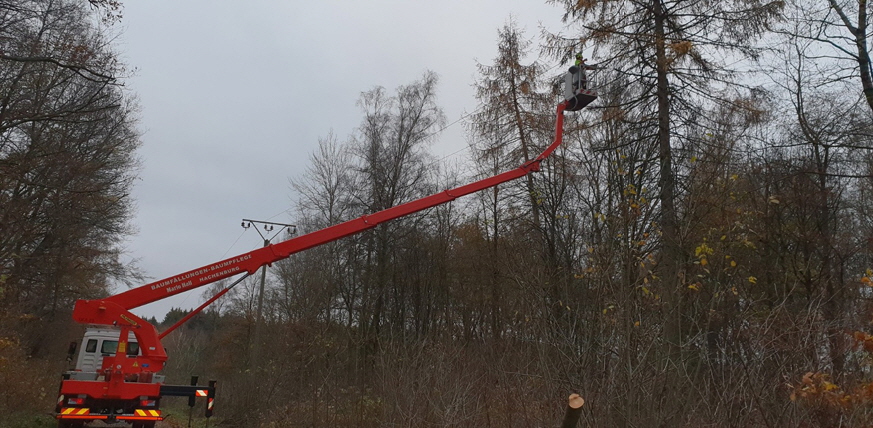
(27, 420)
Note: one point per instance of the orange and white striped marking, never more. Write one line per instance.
(75, 411)
(201, 392)
(143, 412)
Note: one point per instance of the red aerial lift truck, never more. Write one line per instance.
(125, 385)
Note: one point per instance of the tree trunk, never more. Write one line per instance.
(671, 253)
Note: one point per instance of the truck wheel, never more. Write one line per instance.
(143, 425)
(71, 424)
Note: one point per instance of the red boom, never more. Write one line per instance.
(115, 310)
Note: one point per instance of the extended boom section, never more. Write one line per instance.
(254, 260)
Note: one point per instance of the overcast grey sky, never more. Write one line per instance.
(235, 95)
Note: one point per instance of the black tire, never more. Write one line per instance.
(71, 424)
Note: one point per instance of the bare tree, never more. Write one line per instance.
(390, 147)
(839, 29)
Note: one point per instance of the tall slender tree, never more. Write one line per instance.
(671, 48)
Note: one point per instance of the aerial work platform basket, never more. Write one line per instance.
(578, 86)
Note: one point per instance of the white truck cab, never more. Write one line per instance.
(98, 343)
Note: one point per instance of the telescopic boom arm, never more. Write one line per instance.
(115, 310)
(252, 261)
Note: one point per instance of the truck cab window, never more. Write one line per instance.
(110, 346)
(91, 346)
